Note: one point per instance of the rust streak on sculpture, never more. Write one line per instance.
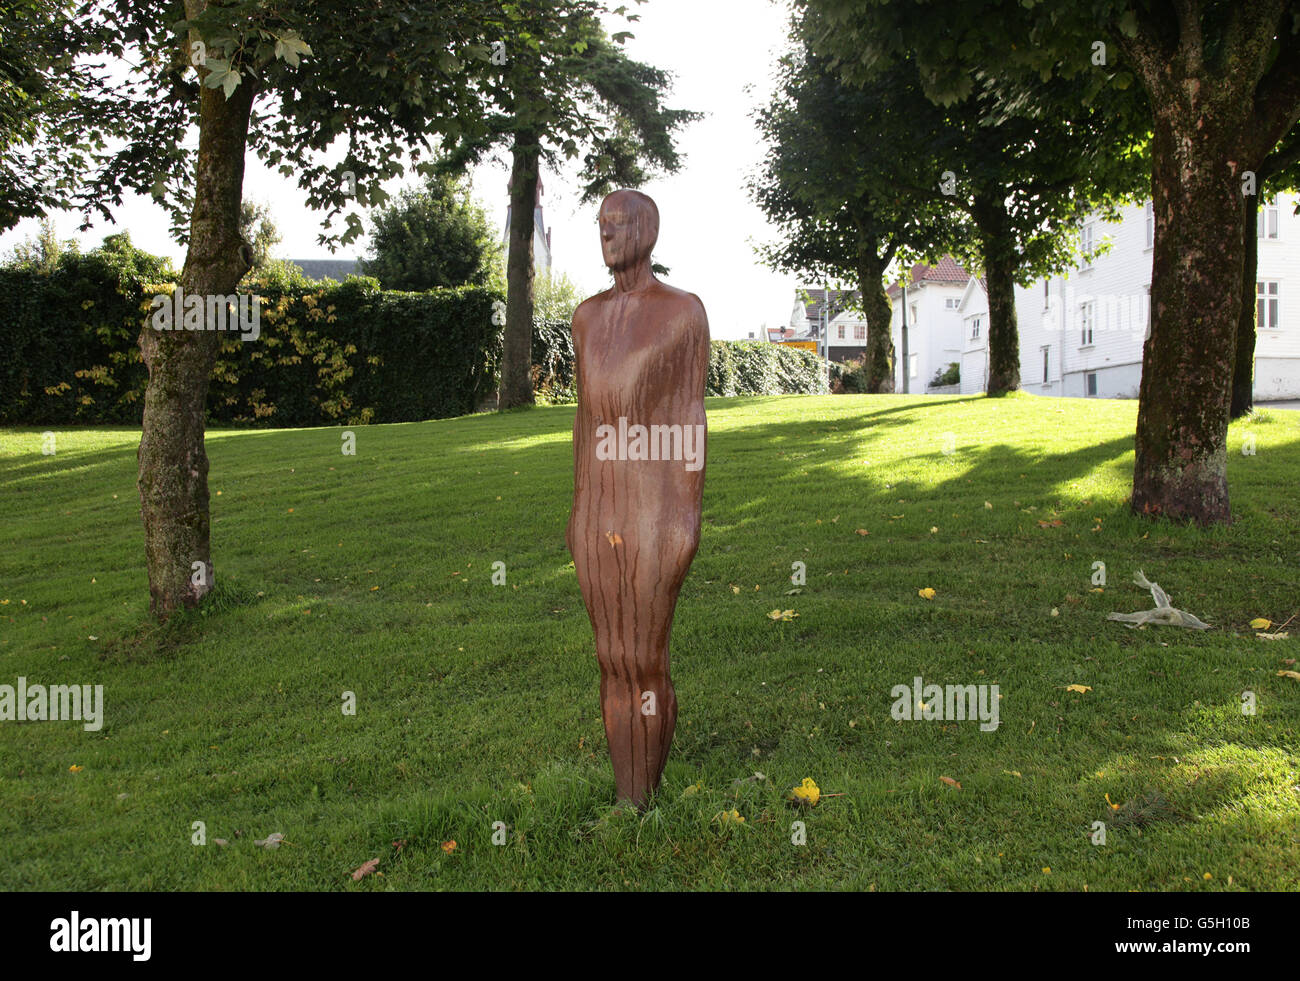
(642, 353)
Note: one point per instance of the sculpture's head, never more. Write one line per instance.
(629, 228)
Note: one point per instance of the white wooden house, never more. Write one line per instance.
(934, 323)
(1082, 333)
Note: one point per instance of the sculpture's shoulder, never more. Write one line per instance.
(686, 303)
(587, 310)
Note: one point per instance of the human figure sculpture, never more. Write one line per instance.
(642, 357)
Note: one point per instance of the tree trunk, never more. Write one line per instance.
(173, 465)
(517, 349)
(878, 313)
(1243, 372)
(1000, 274)
(1181, 444)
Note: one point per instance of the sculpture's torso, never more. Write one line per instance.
(642, 360)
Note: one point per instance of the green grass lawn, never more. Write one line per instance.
(479, 704)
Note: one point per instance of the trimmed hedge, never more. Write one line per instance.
(735, 367)
(69, 337)
(757, 368)
(328, 353)
(553, 360)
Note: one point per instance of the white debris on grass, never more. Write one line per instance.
(1163, 615)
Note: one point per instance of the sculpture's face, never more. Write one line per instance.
(623, 239)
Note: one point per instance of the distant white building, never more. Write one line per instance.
(934, 324)
(846, 334)
(1082, 333)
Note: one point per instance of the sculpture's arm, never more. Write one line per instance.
(580, 427)
(700, 344)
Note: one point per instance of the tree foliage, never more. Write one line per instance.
(432, 236)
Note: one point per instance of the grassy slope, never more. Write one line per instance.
(479, 704)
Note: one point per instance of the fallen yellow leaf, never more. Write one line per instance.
(951, 782)
(1078, 688)
(1260, 623)
(926, 593)
(1293, 675)
(807, 792)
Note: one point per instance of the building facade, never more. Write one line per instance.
(934, 324)
(1082, 333)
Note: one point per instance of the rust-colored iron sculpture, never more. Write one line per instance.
(642, 352)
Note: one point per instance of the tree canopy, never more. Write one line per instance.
(432, 236)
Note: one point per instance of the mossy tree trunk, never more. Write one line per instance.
(878, 312)
(1217, 114)
(1000, 263)
(173, 464)
(1199, 150)
(517, 347)
(1243, 371)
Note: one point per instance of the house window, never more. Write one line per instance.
(1087, 320)
(913, 313)
(1090, 380)
(952, 303)
(860, 332)
(1047, 293)
(1046, 362)
(975, 328)
(1151, 225)
(840, 332)
(1267, 306)
(1267, 219)
(916, 361)
(1086, 243)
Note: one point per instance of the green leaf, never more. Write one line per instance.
(1128, 24)
(290, 46)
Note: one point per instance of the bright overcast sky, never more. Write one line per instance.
(715, 48)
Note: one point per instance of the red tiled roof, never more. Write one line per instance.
(948, 270)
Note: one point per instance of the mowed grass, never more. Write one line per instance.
(478, 703)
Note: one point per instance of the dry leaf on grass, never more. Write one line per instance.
(365, 870)
(951, 782)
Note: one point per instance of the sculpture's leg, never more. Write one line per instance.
(638, 703)
(631, 599)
